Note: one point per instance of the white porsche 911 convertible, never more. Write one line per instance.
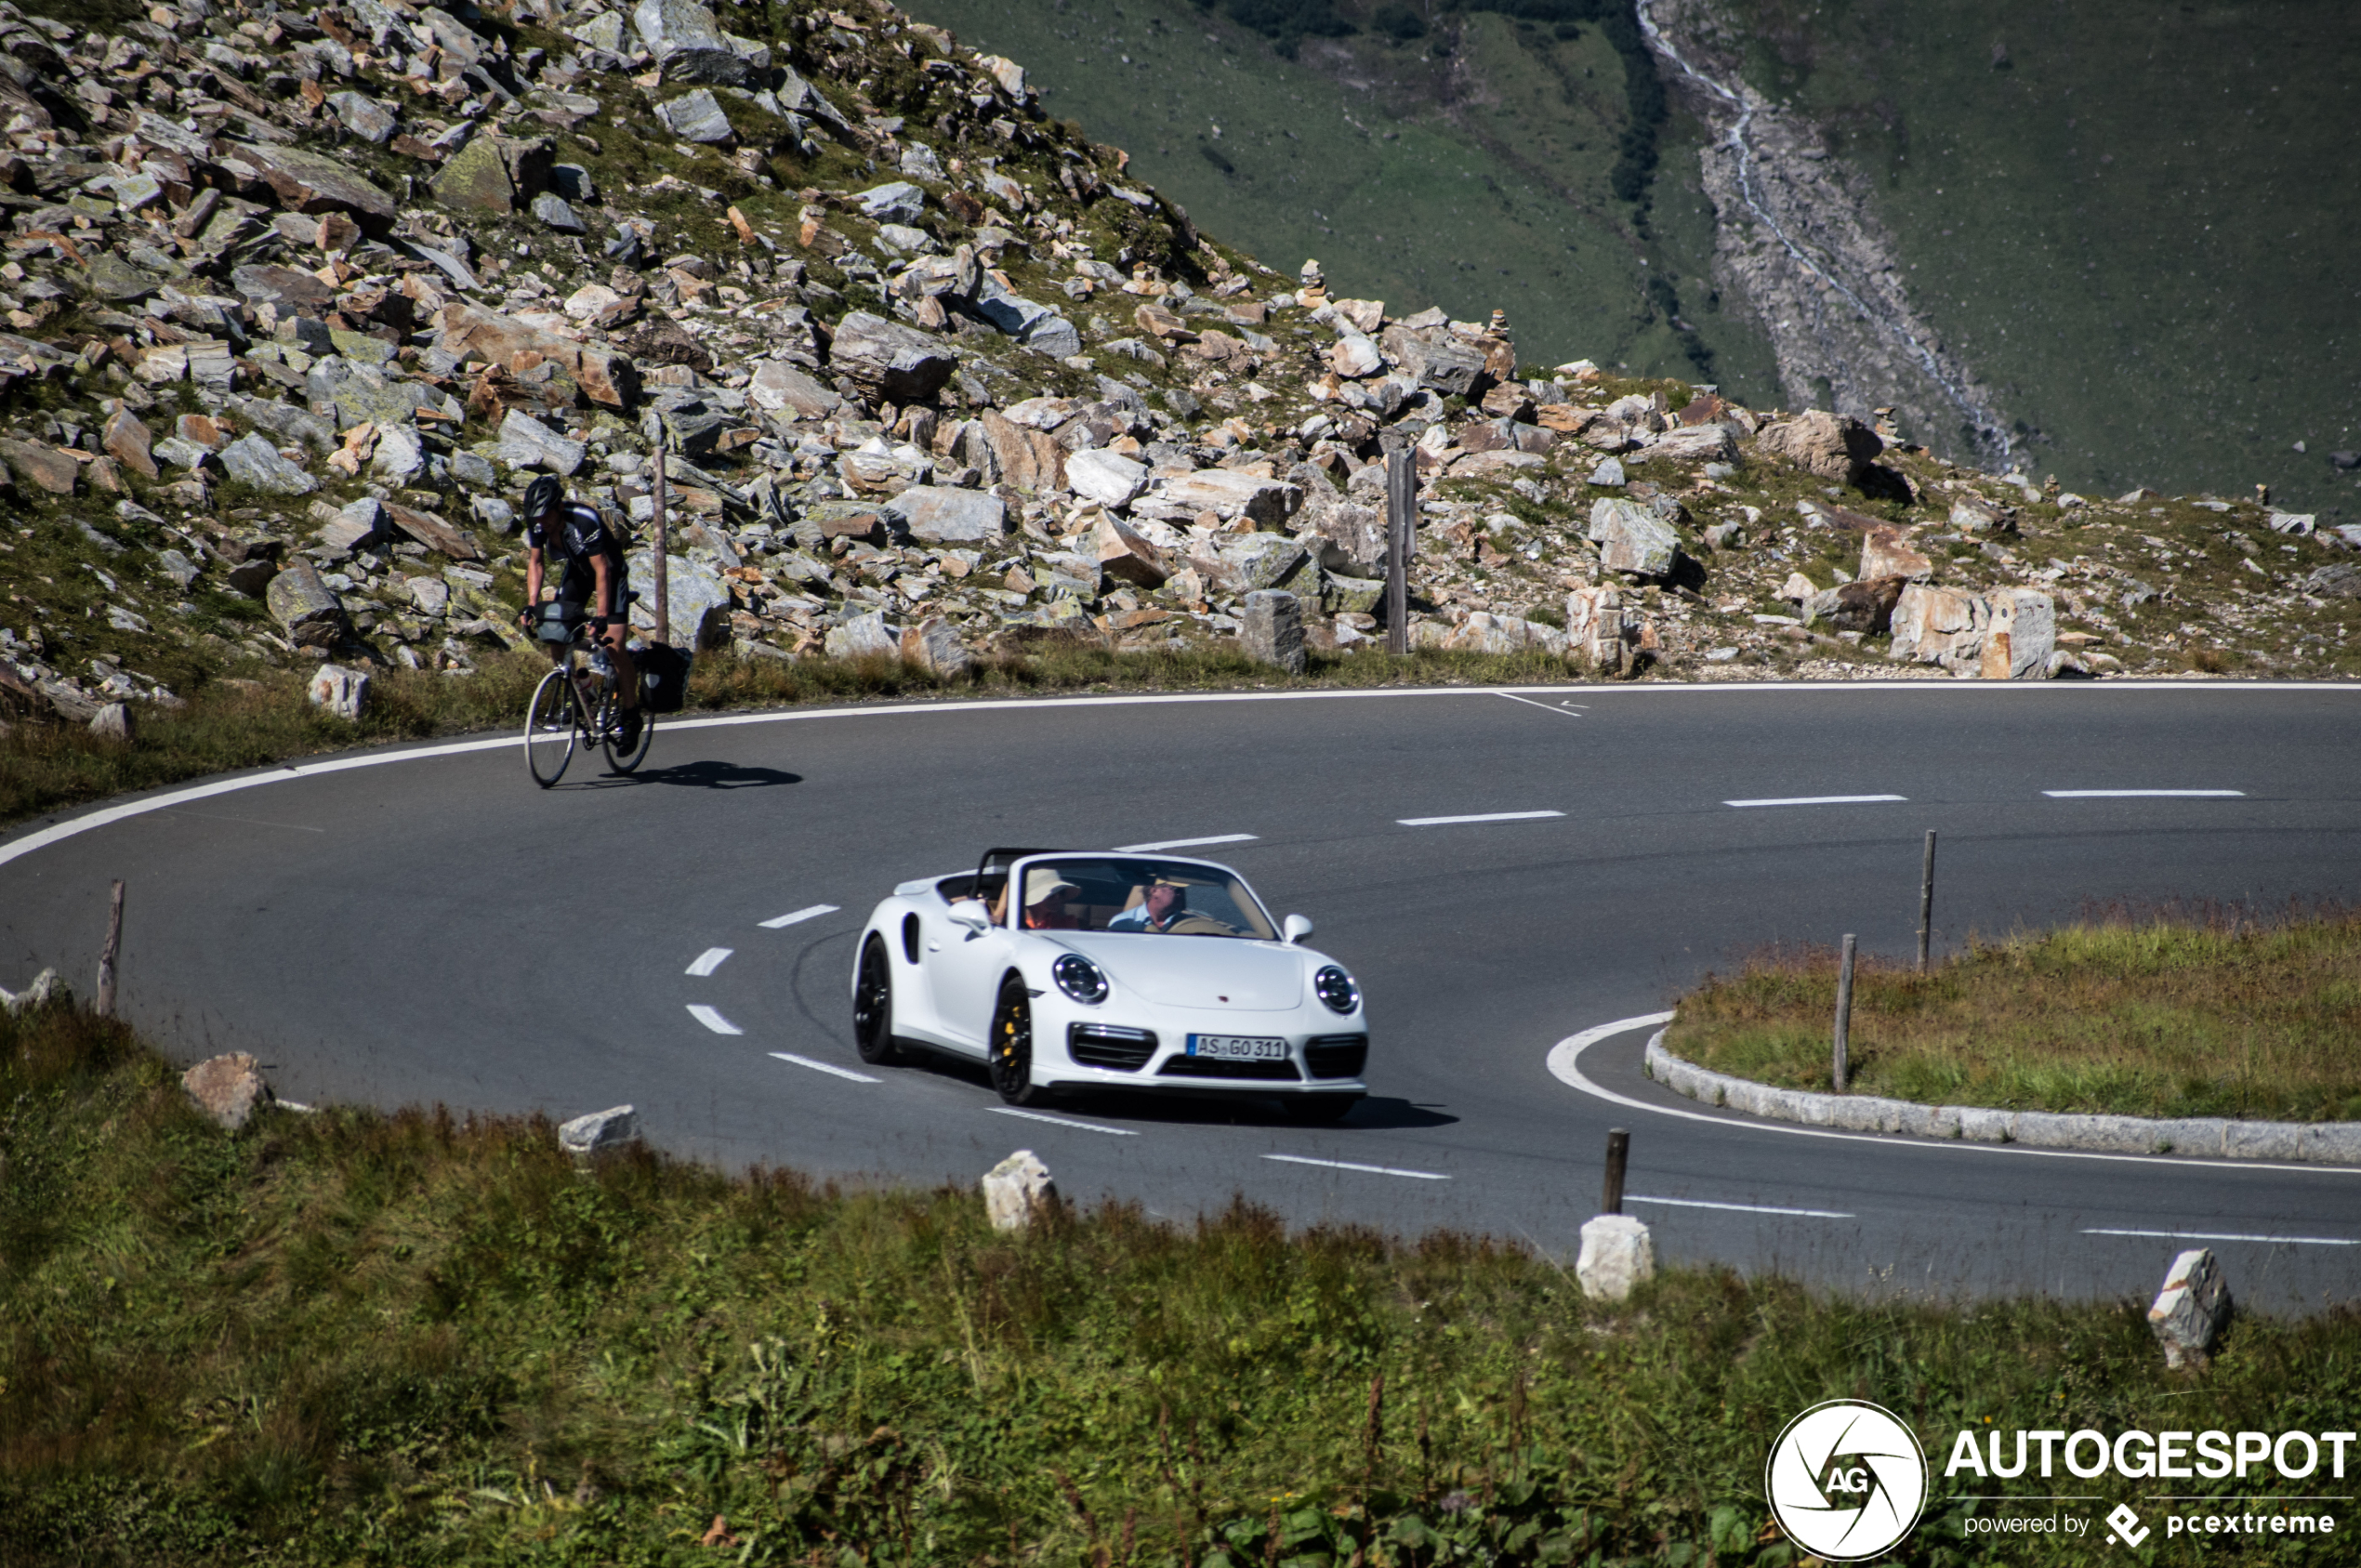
(1065, 970)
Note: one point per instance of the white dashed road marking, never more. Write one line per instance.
(1743, 1208)
(1062, 1121)
(1183, 843)
(710, 960)
(800, 916)
(713, 1020)
(2144, 794)
(832, 1071)
(1819, 801)
(2222, 1236)
(1348, 1164)
(1484, 817)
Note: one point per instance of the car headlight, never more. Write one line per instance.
(1079, 978)
(1336, 988)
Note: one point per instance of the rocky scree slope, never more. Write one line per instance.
(297, 299)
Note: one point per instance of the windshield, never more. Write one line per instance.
(1133, 893)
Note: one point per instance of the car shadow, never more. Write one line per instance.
(699, 775)
(1374, 1113)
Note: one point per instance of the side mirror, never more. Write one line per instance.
(1295, 928)
(971, 915)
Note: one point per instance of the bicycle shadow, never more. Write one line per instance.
(704, 774)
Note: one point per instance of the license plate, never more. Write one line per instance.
(1236, 1048)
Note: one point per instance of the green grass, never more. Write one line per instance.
(367, 1338)
(2125, 230)
(2201, 1013)
(237, 723)
(1379, 160)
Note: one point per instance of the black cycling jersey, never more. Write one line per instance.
(576, 534)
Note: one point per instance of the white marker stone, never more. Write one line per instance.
(1618, 1253)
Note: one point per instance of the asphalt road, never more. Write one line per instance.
(398, 928)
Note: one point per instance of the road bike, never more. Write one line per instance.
(578, 703)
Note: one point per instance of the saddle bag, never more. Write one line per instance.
(664, 677)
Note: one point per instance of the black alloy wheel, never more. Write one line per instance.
(1010, 1059)
(873, 1007)
(1318, 1108)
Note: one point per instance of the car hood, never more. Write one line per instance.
(1179, 972)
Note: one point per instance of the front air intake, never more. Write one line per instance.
(1336, 1056)
(1111, 1046)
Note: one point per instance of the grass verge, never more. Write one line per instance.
(2189, 1011)
(357, 1337)
(232, 724)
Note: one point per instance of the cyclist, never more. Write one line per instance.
(594, 576)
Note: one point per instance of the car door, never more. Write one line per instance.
(963, 969)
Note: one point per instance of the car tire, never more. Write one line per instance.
(872, 1006)
(1010, 1056)
(1318, 1108)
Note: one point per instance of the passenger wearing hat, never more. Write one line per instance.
(1047, 910)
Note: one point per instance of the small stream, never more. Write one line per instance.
(1744, 104)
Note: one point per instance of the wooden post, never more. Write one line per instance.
(106, 954)
(662, 584)
(1926, 903)
(1618, 1156)
(1844, 1014)
(1401, 508)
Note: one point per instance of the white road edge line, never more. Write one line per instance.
(2007, 690)
(1565, 1063)
(1743, 1208)
(832, 1071)
(710, 960)
(1483, 817)
(713, 1020)
(1348, 1164)
(1184, 843)
(1819, 801)
(2227, 1236)
(1062, 1121)
(813, 912)
(2144, 794)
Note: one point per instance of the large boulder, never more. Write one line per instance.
(689, 46)
(887, 361)
(342, 692)
(697, 117)
(43, 466)
(496, 174)
(2006, 635)
(1632, 538)
(252, 460)
(525, 442)
(1888, 552)
(933, 645)
(1437, 359)
(1128, 556)
(1229, 495)
(309, 182)
(941, 514)
(1483, 632)
(781, 387)
(1243, 562)
(697, 598)
(604, 376)
(1835, 447)
(297, 598)
(862, 637)
(1108, 478)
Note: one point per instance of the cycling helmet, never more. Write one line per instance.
(542, 497)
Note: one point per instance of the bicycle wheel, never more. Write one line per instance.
(550, 727)
(619, 758)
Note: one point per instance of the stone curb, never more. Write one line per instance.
(2212, 1136)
